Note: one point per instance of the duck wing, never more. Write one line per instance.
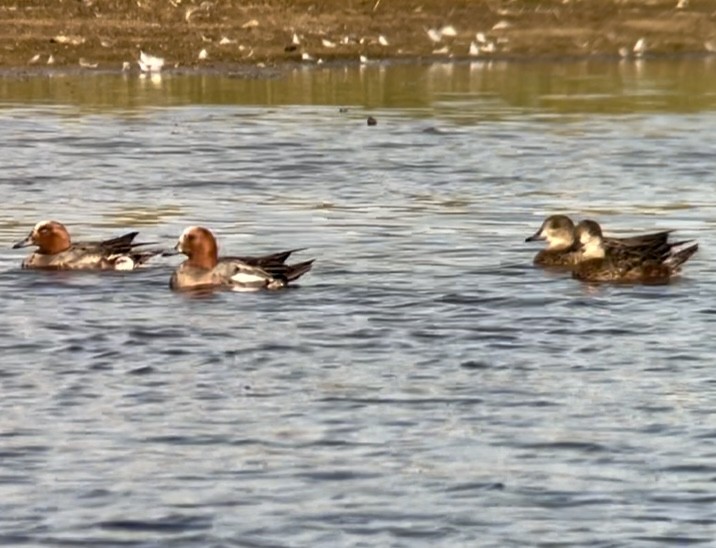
(275, 264)
(295, 271)
(656, 264)
(242, 276)
(264, 260)
(120, 244)
(640, 240)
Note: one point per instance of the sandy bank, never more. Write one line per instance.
(105, 34)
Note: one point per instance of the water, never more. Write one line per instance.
(424, 384)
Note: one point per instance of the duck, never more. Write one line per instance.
(204, 269)
(56, 251)
(658, 264)
(563, 250)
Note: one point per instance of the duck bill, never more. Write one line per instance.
(537, 236)
(24, 243)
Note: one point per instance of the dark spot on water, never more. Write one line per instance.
(477, 486)
(169, 524)
(475, 365)
(141, 371)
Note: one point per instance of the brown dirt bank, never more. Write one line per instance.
(107, 33)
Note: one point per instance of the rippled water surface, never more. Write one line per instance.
(424, 384)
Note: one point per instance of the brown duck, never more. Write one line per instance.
(657, 264)
(56, 251)
(205, 269)
(564, 251)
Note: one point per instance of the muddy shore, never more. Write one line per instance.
(215, 34)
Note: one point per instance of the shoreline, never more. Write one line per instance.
(262, 71)
(210, 37)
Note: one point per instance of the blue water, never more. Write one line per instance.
(423, 385)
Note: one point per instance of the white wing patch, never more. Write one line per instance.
(246, 289)
(248, 278)
(124, 263)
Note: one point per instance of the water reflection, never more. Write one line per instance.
(461, 91)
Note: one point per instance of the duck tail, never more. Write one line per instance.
(677, 258)
(277, 258)
(295, 271)
(120, 243)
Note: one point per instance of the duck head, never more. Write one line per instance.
(589, 237)
(199, 245)
(557, 230)
(50, 237)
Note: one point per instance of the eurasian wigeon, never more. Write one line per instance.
(654, 265)
(563, 249)
(205, 269)
(55, 250)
